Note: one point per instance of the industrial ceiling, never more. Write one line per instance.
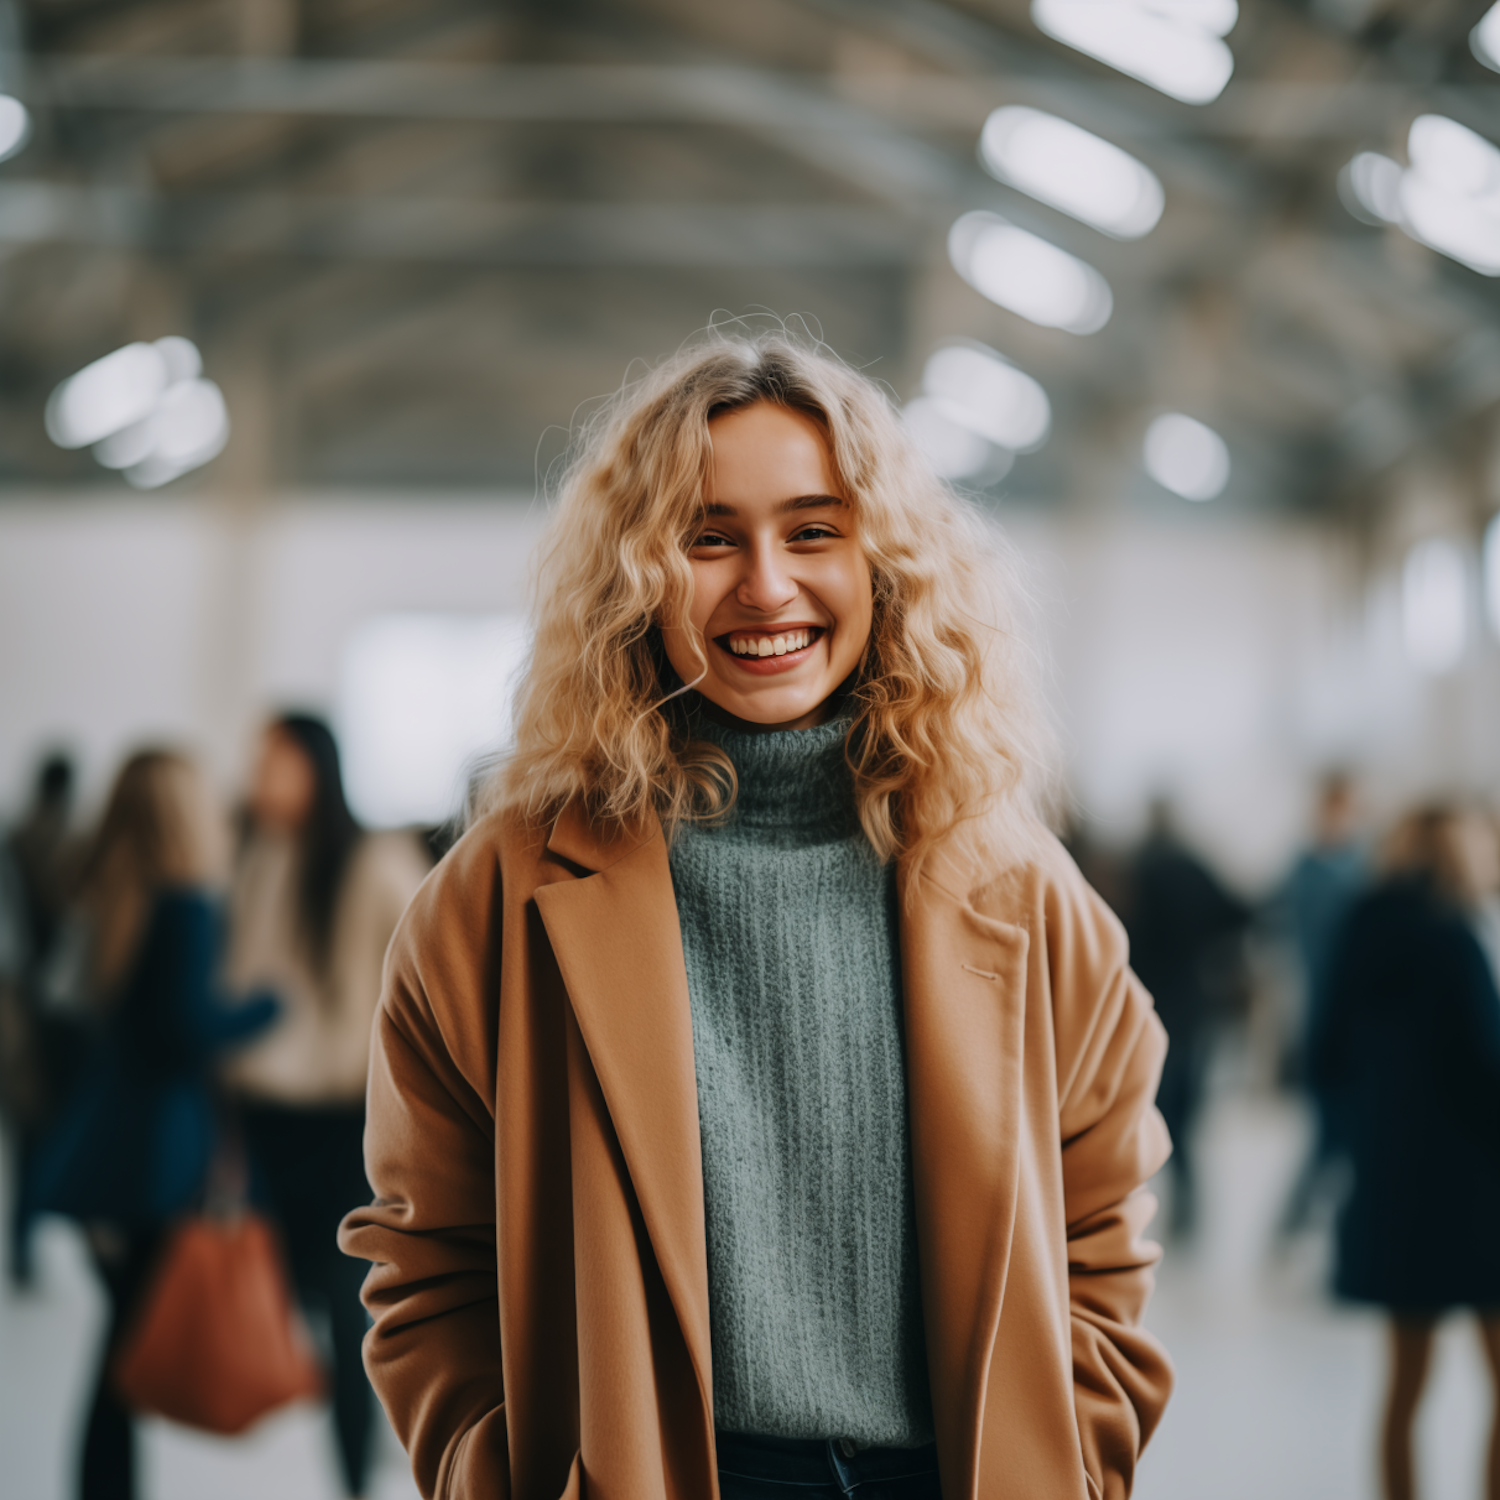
(413, 237)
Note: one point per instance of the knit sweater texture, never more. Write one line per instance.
(790, 936)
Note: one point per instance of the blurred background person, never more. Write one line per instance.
(39, 1045)
(1184, 929)
(1408, 1047)
(314, 902)
(44, 850)
(132, 1146)
(1311, 906)
(17, 1059)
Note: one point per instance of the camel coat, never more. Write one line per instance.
(540, 1283)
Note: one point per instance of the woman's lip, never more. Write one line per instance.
(768, 666)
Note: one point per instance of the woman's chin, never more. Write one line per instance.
(768, 711)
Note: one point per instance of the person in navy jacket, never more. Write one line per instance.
(132, 1147)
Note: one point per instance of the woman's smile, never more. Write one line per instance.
(773, 649)
(782, 592)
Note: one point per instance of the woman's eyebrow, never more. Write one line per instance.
(797, 502)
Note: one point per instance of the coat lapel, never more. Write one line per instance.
(618, 945)
(965, 990)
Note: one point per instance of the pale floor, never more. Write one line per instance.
(1276, 1397)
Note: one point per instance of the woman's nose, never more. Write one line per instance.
(766, 585)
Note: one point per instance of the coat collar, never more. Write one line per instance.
(618, 944)
(595, 846)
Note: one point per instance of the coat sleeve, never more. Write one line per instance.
(433, 1353)
(1110, 1047)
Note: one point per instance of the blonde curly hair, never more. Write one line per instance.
(946, 742)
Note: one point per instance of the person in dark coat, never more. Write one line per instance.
(1184, 930)
(1322, 885)
(39, 1049)
(132, 1146)
(1409, 1048)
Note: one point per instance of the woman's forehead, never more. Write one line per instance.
(768, 454)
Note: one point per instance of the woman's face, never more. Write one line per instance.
(782, 596)
(282, 789)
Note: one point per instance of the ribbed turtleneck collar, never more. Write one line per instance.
(793, 782)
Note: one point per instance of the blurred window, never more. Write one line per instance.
(422, 700)
(1492, 574)
(1434, 604)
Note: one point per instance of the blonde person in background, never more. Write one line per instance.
(760, 1098)
(132, 1146)
(313, 905)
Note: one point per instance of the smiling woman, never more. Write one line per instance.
(760, 1098)
(782, 595)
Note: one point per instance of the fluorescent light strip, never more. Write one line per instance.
(1175, 46)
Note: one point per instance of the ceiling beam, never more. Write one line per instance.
(801, 119)
(847, 108)
(465, 231)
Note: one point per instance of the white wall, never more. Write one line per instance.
(1223, 658)
(125, 617)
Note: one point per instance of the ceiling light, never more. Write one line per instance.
(1370, 186)
(1448, 198)
(1186, 457)
(107, 395)
(1176, 46)
(1450, 195)
(189, 426)
(951, 447)
(143, 409)
(1484, 40)
(15, 126)
(983, 392)
(1028, 275)
(1061, 164)
(1434, 604)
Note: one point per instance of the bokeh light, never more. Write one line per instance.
(144, 410)
(1072, 169)
(15, 126)
(1176, 46)
(1186, 457)
(1029, 275)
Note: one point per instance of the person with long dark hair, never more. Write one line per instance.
(132, 1146)
(314, 902)
(1408, 1050)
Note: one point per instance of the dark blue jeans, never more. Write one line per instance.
(768, 1468)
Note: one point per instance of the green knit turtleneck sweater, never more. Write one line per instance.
(790, 936)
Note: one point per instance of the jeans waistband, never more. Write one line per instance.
(819, 1460)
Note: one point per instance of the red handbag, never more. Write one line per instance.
(216, 1342)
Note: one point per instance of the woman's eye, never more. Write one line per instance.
(712, 539)
(814, 534)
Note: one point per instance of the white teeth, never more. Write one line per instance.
(770, 645)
